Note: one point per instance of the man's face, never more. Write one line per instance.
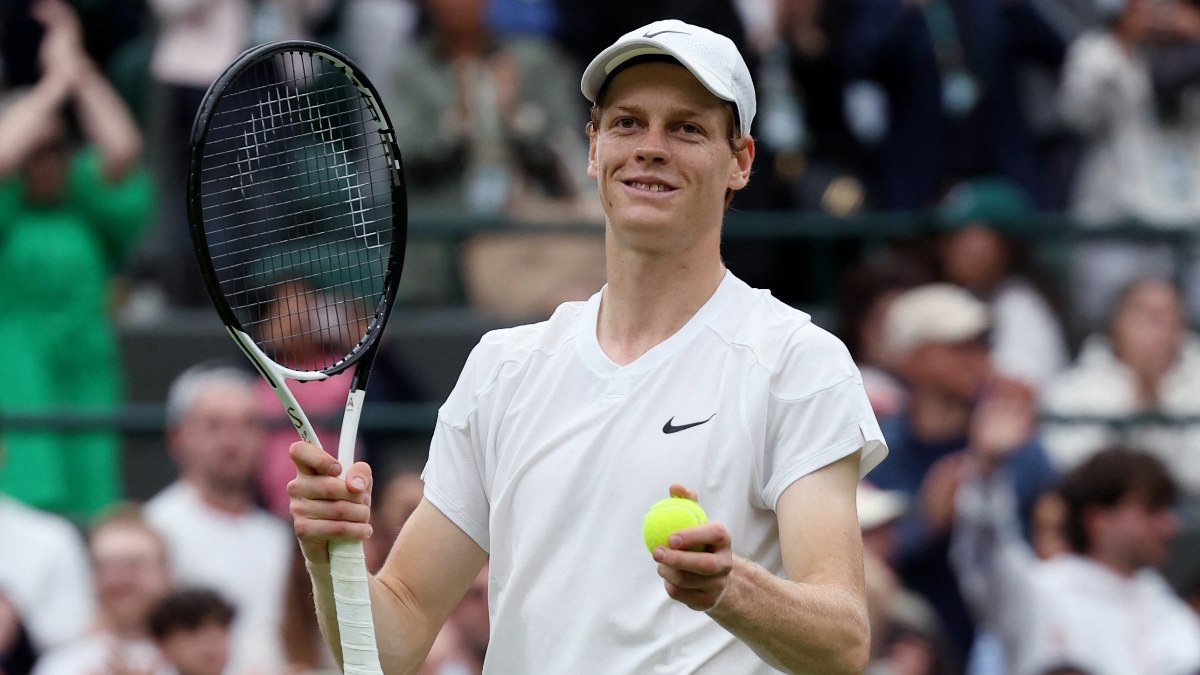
(131, 572)
(45, 168)
(661, 154)
(219, 440)
(958, 369)
(1148, 328)
(203, 650)
(1135, 533)
(974, 257)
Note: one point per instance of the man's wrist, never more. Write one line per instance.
(726, 603)
(317, 560)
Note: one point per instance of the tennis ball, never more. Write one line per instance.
(670, 515)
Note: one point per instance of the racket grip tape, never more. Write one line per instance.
(352, 599)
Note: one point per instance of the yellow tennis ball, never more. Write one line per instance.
(671, 515)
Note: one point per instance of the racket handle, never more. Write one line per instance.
(352, 597)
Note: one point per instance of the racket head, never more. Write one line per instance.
(297, 206)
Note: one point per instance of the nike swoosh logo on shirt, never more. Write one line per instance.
(670, 428)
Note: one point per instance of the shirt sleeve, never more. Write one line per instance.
(810, 428)
(455, 476)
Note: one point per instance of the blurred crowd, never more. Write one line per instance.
(1038, 510)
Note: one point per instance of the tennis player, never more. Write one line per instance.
(677, 377)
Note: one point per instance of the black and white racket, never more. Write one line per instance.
(298, 216)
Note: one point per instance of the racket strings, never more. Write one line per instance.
(306, 197)
(297, 198)
(234, 267)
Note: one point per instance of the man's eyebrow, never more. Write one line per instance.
(676, 112)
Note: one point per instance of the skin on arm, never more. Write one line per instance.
(815, 621)
(429, 569)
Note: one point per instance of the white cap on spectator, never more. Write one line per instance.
(877, 507)
(939, 313)
(711, 57)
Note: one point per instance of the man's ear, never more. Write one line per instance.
(743, 161)
(591, 170)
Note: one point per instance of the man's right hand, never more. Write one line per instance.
(324, 505)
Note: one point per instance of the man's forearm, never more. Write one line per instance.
(402, 644)
(795, 626)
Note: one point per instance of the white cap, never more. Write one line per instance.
(711, 57)
(938, 313)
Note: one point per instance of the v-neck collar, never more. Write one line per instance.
(600, 362)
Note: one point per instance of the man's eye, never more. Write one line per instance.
(689, 128)
(625, 123)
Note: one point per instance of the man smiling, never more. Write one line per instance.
(676, 377)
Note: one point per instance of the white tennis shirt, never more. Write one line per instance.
(548, 454)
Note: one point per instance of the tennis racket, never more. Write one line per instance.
(297, 210)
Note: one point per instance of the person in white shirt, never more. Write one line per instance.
(982, 249)
(676, 377)
(131, 574)
(1138, 161)
(1103, 607)
(45, 578)
(1138, 381)
(217, 536)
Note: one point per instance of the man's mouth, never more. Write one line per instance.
(649, 186)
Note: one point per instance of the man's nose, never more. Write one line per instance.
(653, 147)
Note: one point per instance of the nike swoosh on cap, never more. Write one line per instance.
(660, 32)
(670, 427)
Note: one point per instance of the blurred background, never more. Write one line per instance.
(1042, 156)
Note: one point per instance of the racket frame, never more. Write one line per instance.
(346, 557)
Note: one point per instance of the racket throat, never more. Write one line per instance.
(346, 442)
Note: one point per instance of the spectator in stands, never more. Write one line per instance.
(131, 574)
(831, 169)
(192, 629)
(1102, 608)
(216, 534)
(980, 250)
(935, 91)
(937, 336)
(194, 41)
(1147, 364)
(68, 214)
(906, 638)
(1138, 162)
(292, 310)
(44, 579)
(366, 25)
(487, 131)
(865, 294)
